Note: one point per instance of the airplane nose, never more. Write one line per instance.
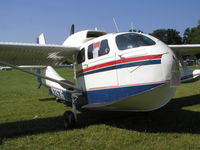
(170, 69)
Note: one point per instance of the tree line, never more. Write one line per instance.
(172, 36)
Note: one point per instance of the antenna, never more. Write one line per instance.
(132, 26)
(115, 25)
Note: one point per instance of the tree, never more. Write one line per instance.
(168, 36)
(187, 36)
(192, 36)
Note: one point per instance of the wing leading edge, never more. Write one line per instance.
(188, 49)
(36, 54)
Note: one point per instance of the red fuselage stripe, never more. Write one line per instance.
(121, 61)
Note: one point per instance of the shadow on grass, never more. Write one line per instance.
(169, 119)
(47, 99)
(30, 127)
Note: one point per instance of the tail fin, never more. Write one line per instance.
(41, 39)
(48, 71)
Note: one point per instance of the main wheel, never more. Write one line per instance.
(69, 119)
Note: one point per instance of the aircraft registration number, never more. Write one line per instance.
(59, 93)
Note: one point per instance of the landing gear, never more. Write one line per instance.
(69, 119)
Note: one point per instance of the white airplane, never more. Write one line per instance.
(126, 71)
(5, 68)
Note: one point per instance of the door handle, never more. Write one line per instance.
(85, 65)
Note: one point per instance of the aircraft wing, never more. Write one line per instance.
(183, 50)
(36, 54)
(188, 49)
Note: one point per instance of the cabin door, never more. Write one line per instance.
(100, 72)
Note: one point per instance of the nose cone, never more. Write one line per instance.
(170, 69)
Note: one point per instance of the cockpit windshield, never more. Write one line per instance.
(132, 40)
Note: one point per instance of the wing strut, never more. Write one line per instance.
(66, 85)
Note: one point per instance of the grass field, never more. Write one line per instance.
(31, 119)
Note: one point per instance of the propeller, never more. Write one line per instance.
(72, 30)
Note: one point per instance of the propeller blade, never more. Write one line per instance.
(72, 30)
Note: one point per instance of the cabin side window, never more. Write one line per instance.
(90, 51)
(81, 56)
(98, 49)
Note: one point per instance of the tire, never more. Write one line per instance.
(69, 119)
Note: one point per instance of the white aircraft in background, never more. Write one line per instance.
(5, 68)
(126, 71)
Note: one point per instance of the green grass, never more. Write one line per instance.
(31, 119)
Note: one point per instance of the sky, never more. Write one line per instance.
(24, 20)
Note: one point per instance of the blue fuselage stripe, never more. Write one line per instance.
(113, 94)
(126, 65)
